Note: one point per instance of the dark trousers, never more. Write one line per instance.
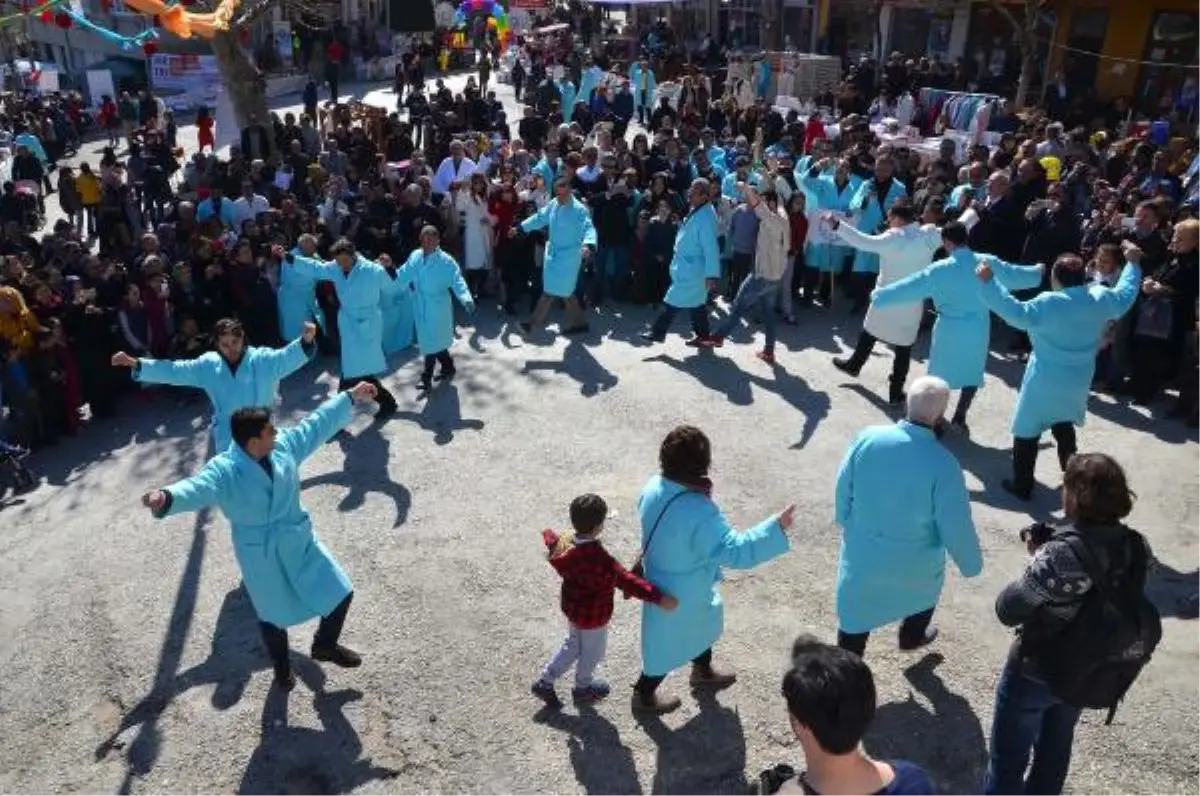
(476, 279)
(739, 268)
(442, 357)
(965, 398)
(1028, 722)
(861, 286)
(663, 322)
(912, 630)
(383, 396)
(647, 685)
(900, 364)
(1025, 453)
(328, 633)
(1149, 366)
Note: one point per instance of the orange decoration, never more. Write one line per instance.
(185, 24)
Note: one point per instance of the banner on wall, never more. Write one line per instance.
(533, 5)
(283, 42)
(185, 81)
(100, 84)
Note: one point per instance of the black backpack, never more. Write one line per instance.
(1093, 660)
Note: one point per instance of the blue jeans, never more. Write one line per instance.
(610, 268)
(1028, 720)
(753, 292)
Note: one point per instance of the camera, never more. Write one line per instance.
(1036, 534)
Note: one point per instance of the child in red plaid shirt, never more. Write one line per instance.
(589, 576)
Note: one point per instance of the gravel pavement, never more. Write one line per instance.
(132, 655)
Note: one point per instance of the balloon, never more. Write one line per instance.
(491, 23)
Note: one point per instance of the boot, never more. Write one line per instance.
(337, 655)
(285, 678)
(1024, 457)
(896, 395)
(1064, 438)
(653, 703)
(708, 677)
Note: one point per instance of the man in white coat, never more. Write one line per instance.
(454, 170)
(904, 248)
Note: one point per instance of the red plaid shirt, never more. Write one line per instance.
(589, 576)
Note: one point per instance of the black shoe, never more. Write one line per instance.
(446, 374)
(424, 386)
(651, 337)
(843, 364)
(580, 329)
(931, 633)
(386, 411)
(525, 327)
(960, 427)
(897, 398)
(1020, 493)
(337, 655)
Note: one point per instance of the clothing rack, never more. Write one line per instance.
(932, 102)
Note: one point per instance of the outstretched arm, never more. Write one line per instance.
(875, 244)
(312, 268)
(914, 287)
(1015, 277)
(1023, 315)
(172, 372)
(316, 429)
(279, 363)
(205, 488)
(1119, 298)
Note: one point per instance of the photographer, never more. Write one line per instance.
(1083, 628)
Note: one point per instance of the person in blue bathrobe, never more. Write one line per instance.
(571, 240)
(290, 576)
(430, 276)
(829, 191)
(872, 201)
(686, 541)
(960, 336)
(399, 326)
(360, 285)
(233, 376)
(297, 295)
(902, 504)
(643, 85)
(1065, 325)
(695, 269)
(568, 93)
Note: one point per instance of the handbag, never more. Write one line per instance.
(638, 568)
(1155, 318)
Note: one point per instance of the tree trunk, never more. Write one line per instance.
(245, 84)
(1028, 66)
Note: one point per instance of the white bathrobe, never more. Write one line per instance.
(902, 251)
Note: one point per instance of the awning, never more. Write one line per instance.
(550, 29)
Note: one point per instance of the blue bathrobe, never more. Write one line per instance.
(635, 87)
(566, 90)
(902, 503)
(297, 299)
(697, 259)
(398, 323)
(693, 541)
(960, 336)
(429, 279)
(570, 228)
(1065, 327)
(254, 382)
(360, 318)
(290, 576)
(824, 196)
(872, 214)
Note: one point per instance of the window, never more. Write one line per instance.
(1171, 48)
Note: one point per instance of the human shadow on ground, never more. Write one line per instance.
(490, 324)
(365, 470)
(303, 760)
(602, 763)
(237, 654)
(813, 404)
(1167, 587)
(947, 741)
(705, 755)
(581, 366)
(1120, 412)
(142, 752)
(719, 374)
(441, 414)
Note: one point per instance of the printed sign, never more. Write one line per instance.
(185, 81)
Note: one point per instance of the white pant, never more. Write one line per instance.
(584, 649)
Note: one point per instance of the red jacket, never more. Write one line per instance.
(589, 576)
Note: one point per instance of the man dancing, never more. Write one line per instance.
(960, 336)
(572, 238)
(905, 248)
(234, 376)
(430, 275)
(360, 285)
(291, 577)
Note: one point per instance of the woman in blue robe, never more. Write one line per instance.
(234, 376)
(1065, 325)
(360, 284)
(290, 575)
(297, 295)
(686, 541)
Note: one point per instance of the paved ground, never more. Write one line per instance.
(132, 659)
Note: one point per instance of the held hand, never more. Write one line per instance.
(123, 360)
(155, 500)
(710, 284)
(386, 260)
(362, 392)
(588, 251)
(310, 332)
(668, 603)
(469, 307)
(1133, 253)
(984, 271)
(787, 517)
(512, 232)
(277, 252)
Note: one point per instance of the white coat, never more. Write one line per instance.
(902, 251)
(477, 231)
